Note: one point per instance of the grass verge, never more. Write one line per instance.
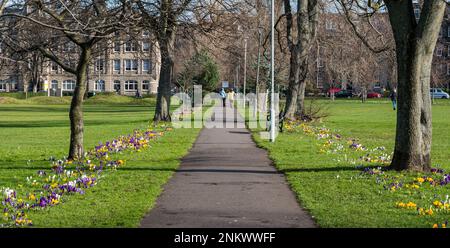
(36, 132)
(331, 185)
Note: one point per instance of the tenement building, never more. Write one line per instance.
(126, 66)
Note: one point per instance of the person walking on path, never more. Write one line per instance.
(231, 97)
(393, 97)
(223, 95)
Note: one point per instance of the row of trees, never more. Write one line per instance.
(44, 25)
(415, 41)
(38, 27)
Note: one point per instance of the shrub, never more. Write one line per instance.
(9, 100)
(22, 95)
(49, 100)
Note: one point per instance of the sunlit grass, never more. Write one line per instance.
(31, 134)
(332, 190)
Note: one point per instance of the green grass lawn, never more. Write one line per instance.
(331, 187)
(32, 134)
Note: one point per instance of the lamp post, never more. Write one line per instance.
(245, 69)
(272, 71)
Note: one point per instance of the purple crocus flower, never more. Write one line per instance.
(43, 202)
(437, 170)
(41, 173)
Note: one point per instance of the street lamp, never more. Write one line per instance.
(245, 69)
(272, 71)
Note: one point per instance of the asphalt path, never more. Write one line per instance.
(227, 181)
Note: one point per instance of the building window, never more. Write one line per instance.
(127, 64)
(439, 51)
(131, 85)
(131, 65)
(417, 13)
(130, 46)
(99, 85)
(69, 85)
(2, 86)
(117, 47)
(329, 25)
(146, 65)
(68, 47)
(117, 65)
(117, 85)
(54, 66)
(54, 85)
(99, 65)
(146, 46)
(146, 85)
(14, 86)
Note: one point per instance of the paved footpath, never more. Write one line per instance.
(226, 181)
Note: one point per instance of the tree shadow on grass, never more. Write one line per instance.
(330, 169)
(229, 171)
(34, 109)
(86, 109)
(31, 171)
(65, 123)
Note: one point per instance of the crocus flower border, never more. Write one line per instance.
(49, 188)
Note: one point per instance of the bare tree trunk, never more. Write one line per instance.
(301, 99)
(415, 44)
(307, 14)
(162, 111)
(364, 94)
(297, 84)
(293, 87)
(76, 150)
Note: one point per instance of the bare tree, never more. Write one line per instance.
(83, 24)
(344, 57)
(415, 42)
(163, 17)
(299, 45)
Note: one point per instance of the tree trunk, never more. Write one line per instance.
(76, 150)
(162, 111)
(295, 97)
(301, 99)
(415, 44)
(299, 53)
(293, 87)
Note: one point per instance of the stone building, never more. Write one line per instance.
(341, 60)
(330, 28)
(124, 65)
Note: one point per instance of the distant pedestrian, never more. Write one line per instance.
(138, 94)
(231, 97)
(223, 95)
(393, 97)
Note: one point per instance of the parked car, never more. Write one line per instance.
(333, 90)
(344, 94)
(439, 93)
(373, 95)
